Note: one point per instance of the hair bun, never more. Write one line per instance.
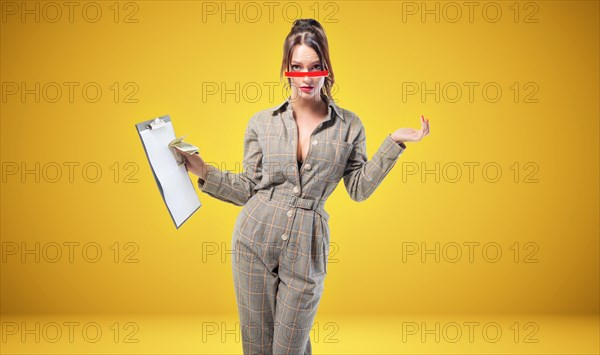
(307, 23)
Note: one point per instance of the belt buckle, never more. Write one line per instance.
(293, 201)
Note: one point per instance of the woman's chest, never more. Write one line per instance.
(323, 147)
(305, 128)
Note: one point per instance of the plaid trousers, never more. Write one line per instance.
(281, 237)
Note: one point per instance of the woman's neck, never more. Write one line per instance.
(309, 106)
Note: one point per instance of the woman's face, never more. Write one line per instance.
(305, 59)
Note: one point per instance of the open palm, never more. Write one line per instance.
(411, 134)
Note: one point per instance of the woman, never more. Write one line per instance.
(280, 241)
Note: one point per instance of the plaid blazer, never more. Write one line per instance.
(337, 150)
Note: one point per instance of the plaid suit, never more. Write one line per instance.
(280, 240)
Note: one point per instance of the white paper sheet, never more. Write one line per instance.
(174, 182)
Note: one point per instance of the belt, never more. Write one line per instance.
(295, 201)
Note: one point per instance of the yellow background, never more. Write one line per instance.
(171, 52)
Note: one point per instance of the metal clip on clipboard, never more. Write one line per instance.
(157, 123)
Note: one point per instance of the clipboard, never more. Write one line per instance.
(173, 181)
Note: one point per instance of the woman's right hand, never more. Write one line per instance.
(194, 164)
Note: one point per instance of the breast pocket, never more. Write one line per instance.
(333, 160)
(275, 158)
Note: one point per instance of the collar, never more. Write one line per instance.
(332, 108)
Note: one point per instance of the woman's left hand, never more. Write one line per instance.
(411, 134)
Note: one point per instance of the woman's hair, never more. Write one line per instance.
(309, 32)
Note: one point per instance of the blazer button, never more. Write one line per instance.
(307, 166)
(315, 142)
(295, 189)
(290, 213)
(284, 237)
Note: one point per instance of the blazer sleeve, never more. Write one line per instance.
(363, 176)
(237, 188)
